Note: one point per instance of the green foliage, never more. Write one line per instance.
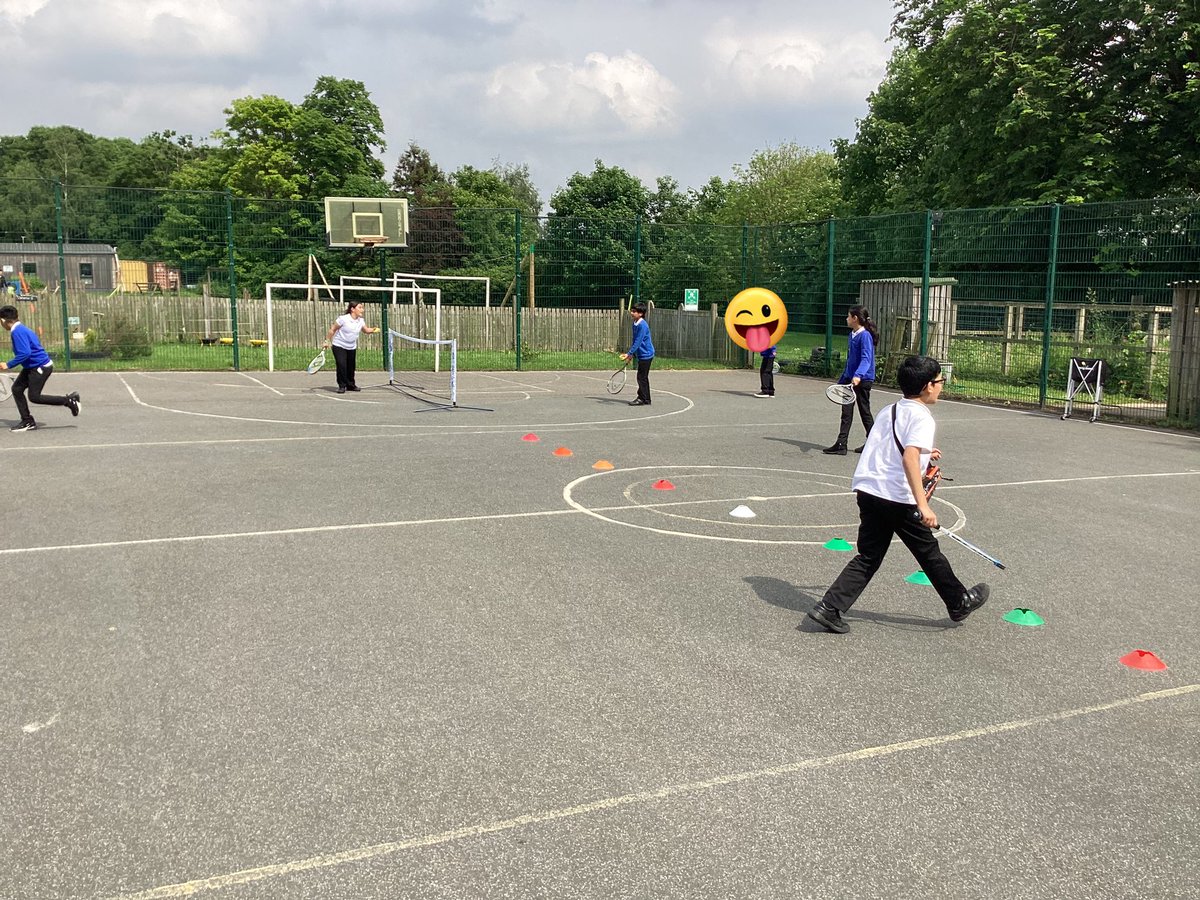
(608, 193)
(120, 337)
(418, 178)
(993, 102)
(271, 148)
(787, 183)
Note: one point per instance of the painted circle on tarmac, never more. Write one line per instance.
(791, 506)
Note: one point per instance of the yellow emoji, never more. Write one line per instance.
(756, 319)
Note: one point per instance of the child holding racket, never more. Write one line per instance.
(642, 348)
(887, 484)
(859, 372)
(343, 334)
(36, 369)
(766, 372)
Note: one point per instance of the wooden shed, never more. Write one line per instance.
(89, 267)
(895, 305)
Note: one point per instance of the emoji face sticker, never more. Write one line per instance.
(756, 319)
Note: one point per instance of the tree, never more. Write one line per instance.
(787, 183)
(418, 177)
(609, 193)
(994, 102)
(274, 149)
(520, 182)
(355, 118)
(585, 257)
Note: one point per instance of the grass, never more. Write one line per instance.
(167, 357)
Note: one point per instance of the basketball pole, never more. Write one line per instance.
(383, 305)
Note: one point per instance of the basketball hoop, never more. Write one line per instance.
(369, 241)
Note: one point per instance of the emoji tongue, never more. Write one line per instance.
(758, 338)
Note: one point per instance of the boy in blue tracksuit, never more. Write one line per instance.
(36, 369)
(643, 349)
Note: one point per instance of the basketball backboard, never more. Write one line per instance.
(359, 221)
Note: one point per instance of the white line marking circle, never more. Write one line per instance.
(570, 500)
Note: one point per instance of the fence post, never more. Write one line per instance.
(745, 229)
(517, 285)
(1051, 278)
(829, 298)
(62, 271)
(925, 282)
(637, 258)
(233, 321)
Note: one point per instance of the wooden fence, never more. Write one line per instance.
(1183, 395)
(171, 318)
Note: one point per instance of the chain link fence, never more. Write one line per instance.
(116, 278)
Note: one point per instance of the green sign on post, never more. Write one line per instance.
(691, 299)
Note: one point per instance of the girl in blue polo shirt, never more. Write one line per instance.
(860, 372)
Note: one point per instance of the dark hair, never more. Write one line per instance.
(916, 372)
(864, 316)
(639, 307)
(351, 304)
(9, 313)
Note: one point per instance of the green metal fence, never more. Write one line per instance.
(125, 278)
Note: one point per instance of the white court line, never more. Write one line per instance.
(310, 529)
(641, 417)
(576, 508)
(262, 384)
(639, 798)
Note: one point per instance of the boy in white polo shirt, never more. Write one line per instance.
(891, 501)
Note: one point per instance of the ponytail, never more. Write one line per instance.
(864, 317)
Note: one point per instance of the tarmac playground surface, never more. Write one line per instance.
(261, 640)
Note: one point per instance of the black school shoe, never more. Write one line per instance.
(836, 450)
(73, 403)
(829, 618)
(971, 601)
(639, 402)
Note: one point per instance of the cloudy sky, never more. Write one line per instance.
(658, 87)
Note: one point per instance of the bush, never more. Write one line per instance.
(123, 339)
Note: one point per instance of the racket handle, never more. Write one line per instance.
(916, 514)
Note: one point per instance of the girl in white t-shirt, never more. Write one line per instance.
(343, 334)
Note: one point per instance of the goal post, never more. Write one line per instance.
(339, 295)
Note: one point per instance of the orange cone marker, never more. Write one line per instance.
(663, 485)
(562, 451)
(602, 464)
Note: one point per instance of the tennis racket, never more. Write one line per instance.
(840, 393)
(317, 363)
(954, 537)
(616, 380)
(6, 385)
